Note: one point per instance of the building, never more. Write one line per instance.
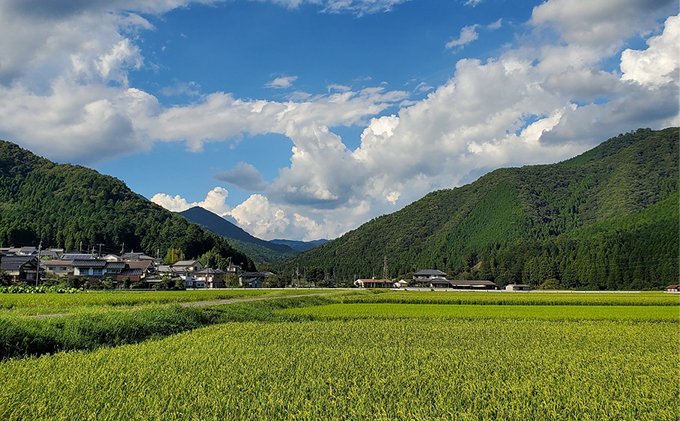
(673, 288)
(20, 268)
(97, 268)
(184, 266)
(517, 287)
(211, 278)
(474, 285)
(424, 275)
(58, 267)
(253, 279)
(374, 283)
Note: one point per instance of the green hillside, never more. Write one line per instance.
(262, 252)
(68, 206)
(607, 219)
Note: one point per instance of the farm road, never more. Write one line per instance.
(195, 304)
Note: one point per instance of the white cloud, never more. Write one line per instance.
(282, 82)
(64, 93)
(658, 64)
(214, 202)
(467, 35)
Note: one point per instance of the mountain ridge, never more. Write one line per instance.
(528, 224)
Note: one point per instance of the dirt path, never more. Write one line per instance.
(195, 304)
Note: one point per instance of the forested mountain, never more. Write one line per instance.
(607, 219)
(69, 205)
(261, 251)
(300, 245)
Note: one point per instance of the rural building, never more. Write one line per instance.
(402, 283)
(20, 268)
(517, 287)
(58, 267)
(673, 288)
(437, 283)
(187, 266)
(211, 278)
(374, 283)
(473, 284)
(425, 274)
(253, 279)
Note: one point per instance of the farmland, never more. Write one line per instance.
(376, 358)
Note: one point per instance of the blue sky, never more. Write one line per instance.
(303, 119)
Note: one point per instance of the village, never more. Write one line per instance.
(138, 270)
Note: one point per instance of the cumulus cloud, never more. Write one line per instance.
(282, 82)
(214, 202)
(658, 64)
(244, 176)
(64, 93)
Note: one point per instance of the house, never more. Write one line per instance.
(253, 279)
(184, 266)
(148, 267)
(27, 251)
(402, 283)
(58, 267)
(424, 275)
(211, 278)
(134, 275)
(673, 288)
(473, 284)
(136, 256)
(20, 268)
(374, 283)
(437, 282)
(517, 287)
(97, 268)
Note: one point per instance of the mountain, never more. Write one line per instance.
(70, 206)
(300, 245)
(261, 251)
(606, 219)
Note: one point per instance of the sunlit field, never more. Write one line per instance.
(325, 358)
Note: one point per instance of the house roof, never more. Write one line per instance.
(186, 263)
(115, 265)
(471, 283)
(131, 272)
(429, 272)
(27, 250)
(11, 263)
(77, 256)
(672, 287)
(255, 274)
(57, 262)
(91, 263)
(375, 281)
(141, 264)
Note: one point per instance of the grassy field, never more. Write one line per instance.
(33, 304)
(324, 358)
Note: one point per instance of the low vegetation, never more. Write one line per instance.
(353, 355)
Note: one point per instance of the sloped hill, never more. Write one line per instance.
(69, 205)
(607, 219)
(261, 251)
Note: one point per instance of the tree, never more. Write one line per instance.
(315, 275)
(173, 256)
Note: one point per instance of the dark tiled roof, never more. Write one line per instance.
(10, 263)
(429, 272)
(93, 263)
(77, 256)
(115, 265)
(131, 272)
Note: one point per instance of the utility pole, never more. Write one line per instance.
(37, 269)
(80, 247)
(122, 249)
(386, 273)
(100, 250)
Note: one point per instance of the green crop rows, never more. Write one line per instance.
(331, 360)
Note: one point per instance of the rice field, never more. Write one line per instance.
(374, 360)
(34, 304)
